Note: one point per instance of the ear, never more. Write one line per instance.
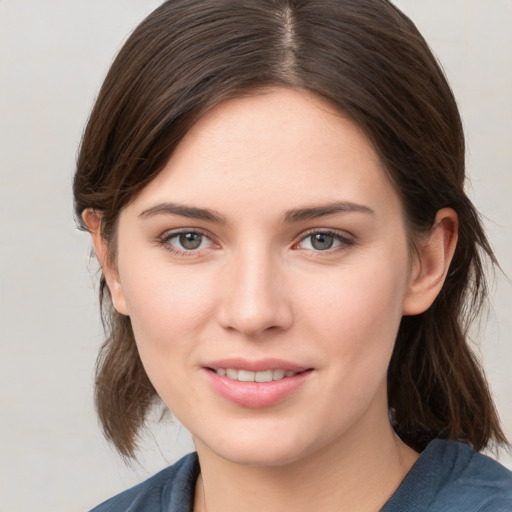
(93, 222)
(432, 262)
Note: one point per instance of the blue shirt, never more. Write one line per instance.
(447, 477)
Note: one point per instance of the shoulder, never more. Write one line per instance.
(450, 476)
(474, 480)
(172, 489)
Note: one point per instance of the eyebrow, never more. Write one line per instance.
(291, 216)
(190, 212)
(313, 212)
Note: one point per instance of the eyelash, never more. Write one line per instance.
(165, 241)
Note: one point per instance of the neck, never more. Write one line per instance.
(356, 474)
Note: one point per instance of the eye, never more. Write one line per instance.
(321, 241)
(324, 241)
(189, 241)
(185, 243)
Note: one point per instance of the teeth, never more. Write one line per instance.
(263, 376)
(245, 376)
(278, 374)
(248, 376)
(232, 374)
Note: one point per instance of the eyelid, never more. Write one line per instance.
(169, 233)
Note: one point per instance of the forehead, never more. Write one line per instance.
(273, 148)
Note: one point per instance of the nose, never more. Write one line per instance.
(254, 296)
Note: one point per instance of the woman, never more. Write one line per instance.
(274, 191)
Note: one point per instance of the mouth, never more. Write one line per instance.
(256, 384)
(252, 376)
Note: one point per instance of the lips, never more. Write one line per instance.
(256, 384)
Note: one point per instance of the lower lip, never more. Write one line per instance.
(256, 395)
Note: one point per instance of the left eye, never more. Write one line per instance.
(323, 241)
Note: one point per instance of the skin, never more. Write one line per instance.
(257, 287)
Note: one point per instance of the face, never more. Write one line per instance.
(265, 272)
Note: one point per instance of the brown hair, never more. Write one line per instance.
(369, 60)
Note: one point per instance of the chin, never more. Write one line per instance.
(258, 457)
(275, 449)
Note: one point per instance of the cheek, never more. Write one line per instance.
(167, 308)
(358, 298)
(355, 325)
(168, 313)
(358, 314)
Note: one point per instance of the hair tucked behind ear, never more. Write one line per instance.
(368, 60)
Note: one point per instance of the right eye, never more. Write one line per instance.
(189, 241)
(185, 243)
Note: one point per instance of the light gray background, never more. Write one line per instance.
(53, 56)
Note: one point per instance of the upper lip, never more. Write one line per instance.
(258, 365)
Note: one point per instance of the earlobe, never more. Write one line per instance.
(92, 220)
(432, 263)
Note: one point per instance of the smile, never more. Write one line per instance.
(250, 376)
(256, 389)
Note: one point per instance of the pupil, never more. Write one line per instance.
(190, 240)
(322, 241)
